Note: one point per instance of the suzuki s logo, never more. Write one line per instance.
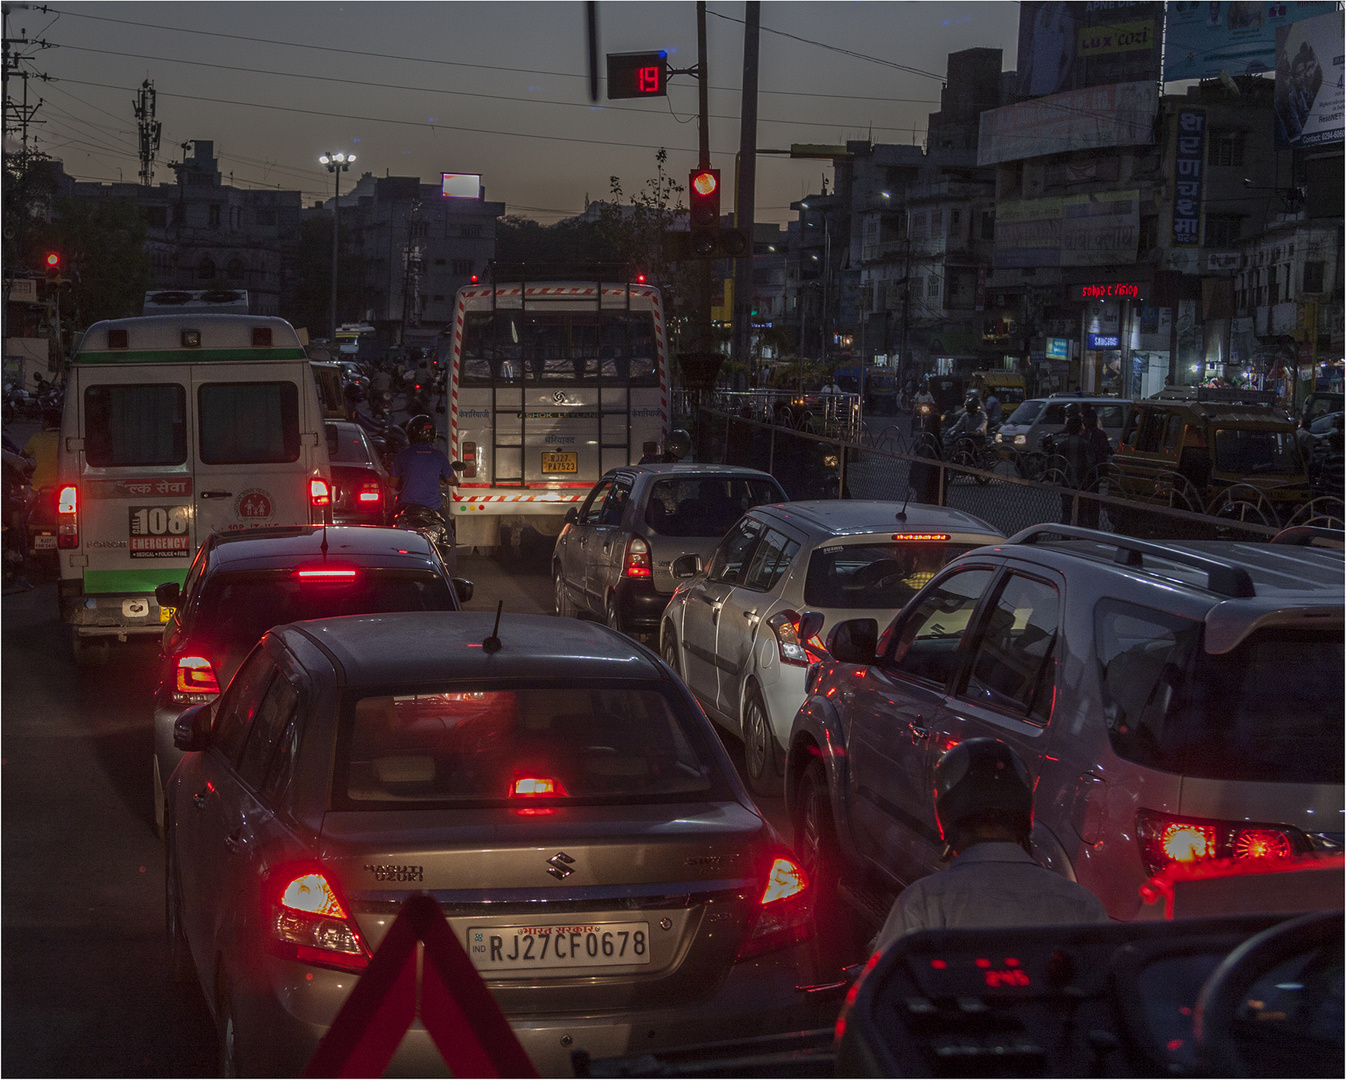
(559, 397)
(559, 866)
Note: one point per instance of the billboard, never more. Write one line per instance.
(460, 185)
(1189, 164)
(1309, 80)
(1098, 229)
(1236, 36)
(1070, 46)
(1121, 114)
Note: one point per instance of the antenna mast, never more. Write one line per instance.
(150, 130)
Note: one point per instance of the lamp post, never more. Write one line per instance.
(336, 165)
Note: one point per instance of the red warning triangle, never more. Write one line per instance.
(457, 1010)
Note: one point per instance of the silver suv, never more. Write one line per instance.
(1174, 702)
(613, 559)
(1035, 418)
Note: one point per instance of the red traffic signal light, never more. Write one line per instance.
(53, 262)
(703, 194)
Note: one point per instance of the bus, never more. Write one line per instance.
(550, 385)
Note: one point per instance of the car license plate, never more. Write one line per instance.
(166, 613)
(44, 543)
(560, 462)
(586, 945)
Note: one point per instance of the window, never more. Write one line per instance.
(918, 226)
(1013, 658)
(213, 215)
(272, 717)
(1248, 451)
(179, 213)
(236, 270)
(1149, 233)
(1313, 277)
(988, 224)
(1262, 712)
(264, 215)
(873, 575)
(705, 506)
(730, 561)
(592, 512)
(559, 348)
(249, 423)
(439, 262)
(925, 645)
(239, 704)
(1222, 230)
(135, 425)
(772, 560)
(616, 503)
(1226, 148)
(936, 222)
(932, 286)
(462, 266)
(472, 232)
(205, 269)
(1273, 286)
(955, 220)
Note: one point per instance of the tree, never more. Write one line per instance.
(102, 247)
(312, 304)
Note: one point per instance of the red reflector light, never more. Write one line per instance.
(319, 494)
(325, 574)
(920, 536)
(196, 676)
(534, 787)
(67, 502)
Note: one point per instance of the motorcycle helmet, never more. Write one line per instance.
(982, 783)
(973, 402)
(678, 444)
(421, 429)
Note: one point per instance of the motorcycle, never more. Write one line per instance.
(434, 528)
(388, 438)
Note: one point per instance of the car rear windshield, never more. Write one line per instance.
(1027, 412)
(135, 425)
(1253, 452)
(706, 505)
(1270, 710)
(487, 745)
(238, 608)
(249, 423)
(874, 575)
(347, 445)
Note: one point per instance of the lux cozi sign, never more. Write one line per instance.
(1108, 290)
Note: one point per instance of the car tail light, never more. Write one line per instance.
(369, 495)
(326, 573)
(469, 460)
(784, 914)
(195, 681)
(310, 923)
(319, 494)
(920, 537)
(637, 561)
(67, 517)
(1166, 839)
(785, 625)
(537, 787)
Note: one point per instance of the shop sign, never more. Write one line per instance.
(1106, 290)
(1058, 348)
(1188, 166)
(1105, 341)
(1224, 260)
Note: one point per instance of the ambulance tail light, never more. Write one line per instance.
(319, 494)
(67, 517)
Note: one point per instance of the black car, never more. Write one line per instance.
(242, 584)
(362, 493)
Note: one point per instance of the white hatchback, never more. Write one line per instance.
(732, 628)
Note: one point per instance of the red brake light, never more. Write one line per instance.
(319, 494)
(369, 494)
(537, 787)
(920, 536)
(637, 559)
(67, 523)
(1165, 839)
(309, 922)
(1262, 844)
(196, 676)
(785, 912)
(785, 624)
(326, 574)
(786, 879)
(67, 502)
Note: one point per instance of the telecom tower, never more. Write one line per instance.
(149, 132)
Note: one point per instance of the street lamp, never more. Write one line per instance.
(336, 165)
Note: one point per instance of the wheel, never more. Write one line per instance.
(228, 1033)
(815, 842)
(180, 967)
(160, 805)
(613, 615)
(562, 597)
(759, 748)
(670, 651)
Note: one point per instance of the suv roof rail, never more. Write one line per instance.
(1219, 395)
(1225, 578)
(1311, 536)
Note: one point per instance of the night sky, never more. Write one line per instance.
(501, 89)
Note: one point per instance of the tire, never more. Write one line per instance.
(559, 595)
(815, 836)
(613, 615)
(160, 803)
(759, 748)
(228, 1033)
(181, 970)
(669, 651)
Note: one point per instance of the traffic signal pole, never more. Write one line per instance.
(745, 183)
(707, 337)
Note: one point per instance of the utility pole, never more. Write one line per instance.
(707, 342)
(745, 208)
(150, 130)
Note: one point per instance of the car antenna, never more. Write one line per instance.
(323, 546)
(902, 514)
(492, 643)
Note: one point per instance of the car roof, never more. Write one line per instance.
(419, 647)
(839, 517)
(696, 468)
(284, 547)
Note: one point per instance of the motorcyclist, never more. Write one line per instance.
(676, 447)
(419, 469)
(994, 411)
(984, 809)
(972, 422)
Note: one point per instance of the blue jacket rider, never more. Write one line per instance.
(419, 468)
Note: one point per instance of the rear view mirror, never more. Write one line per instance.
(572, 515)
(191, 730)
(463, 588)
(811, 624)
(686, 566)
(854, 641)
(168, 594)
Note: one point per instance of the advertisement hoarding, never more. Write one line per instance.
(1070, 46)
(1121, 114)
(1309, 80)
(460, 185)
(1235, 36)
(1097, 229)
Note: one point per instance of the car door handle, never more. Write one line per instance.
(216, 494)
(917, 730)
(234, 841)
(199, 801)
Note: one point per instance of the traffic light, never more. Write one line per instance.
(53, 261)
(705, 238)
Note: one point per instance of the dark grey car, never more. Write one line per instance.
(614, 558)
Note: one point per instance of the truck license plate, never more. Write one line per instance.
(525, 948)
(566, 462)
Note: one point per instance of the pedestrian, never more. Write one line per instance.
(993, 409)
(1099, 448)
(984, 810)
(1073, 447)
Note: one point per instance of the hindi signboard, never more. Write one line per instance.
(1102, 116)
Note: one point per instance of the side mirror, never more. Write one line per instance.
(191, 730)
(686, 566)
(810, 624)
(463, 588)
(169, 594)
(572, 515)
(854, 641)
